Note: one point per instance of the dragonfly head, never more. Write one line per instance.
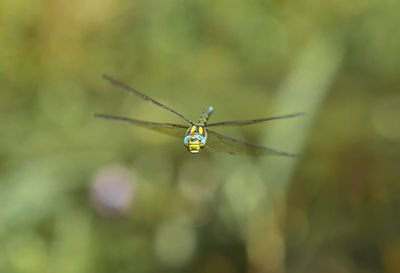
(194, 142)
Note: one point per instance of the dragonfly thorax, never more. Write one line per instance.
(195, 138)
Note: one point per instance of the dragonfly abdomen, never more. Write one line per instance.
(205, 116)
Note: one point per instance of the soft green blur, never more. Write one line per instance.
(79, 194)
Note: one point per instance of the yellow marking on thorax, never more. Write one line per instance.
(200, 130)
(193, 129)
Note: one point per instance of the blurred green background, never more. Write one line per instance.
(79, 194)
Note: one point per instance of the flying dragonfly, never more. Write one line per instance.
(196, 135)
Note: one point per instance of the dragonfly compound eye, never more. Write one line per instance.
(186, 140)
(202, 140)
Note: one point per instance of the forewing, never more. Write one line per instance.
(134, 92)
(251, 121)
(231, 145)
(171, 129)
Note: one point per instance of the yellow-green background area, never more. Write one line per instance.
(80, 194)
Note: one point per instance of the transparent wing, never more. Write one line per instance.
(251, 121)
(233, 146)
(171, 129)
(134, 92)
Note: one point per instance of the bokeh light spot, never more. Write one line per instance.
(386, 117)
(112, 190)
(175, 243)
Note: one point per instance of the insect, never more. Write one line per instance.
(196, 135)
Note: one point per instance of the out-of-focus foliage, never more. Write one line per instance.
(79, 194)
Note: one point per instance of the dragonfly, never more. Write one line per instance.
(197, 135)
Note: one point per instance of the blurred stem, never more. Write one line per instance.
(71, 248)
(304, 90)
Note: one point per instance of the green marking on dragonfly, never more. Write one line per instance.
(197, 135)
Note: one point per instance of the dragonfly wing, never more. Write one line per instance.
(134, 92)
(171, 129)
(251, 121)
(231, 145)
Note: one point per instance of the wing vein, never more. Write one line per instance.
(172, 129)
(251, 121)
(232, 145)
(134, 92)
